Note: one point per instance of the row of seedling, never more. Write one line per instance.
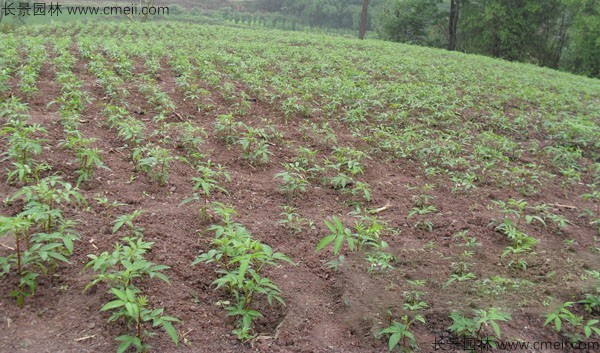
(72, 103)
(122, 271)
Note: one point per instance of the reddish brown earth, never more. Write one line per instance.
(326, 311)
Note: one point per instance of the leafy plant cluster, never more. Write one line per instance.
(123, 270)
(242, 262)
(206, 184)
(71, 103)
(578, 320)
(482, 327)
(399, 332)
(367, 231)
(29, 70)
(23, 143)
(43, 237)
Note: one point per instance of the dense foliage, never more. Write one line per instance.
(555, 33)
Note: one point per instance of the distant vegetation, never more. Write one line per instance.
(561, 34)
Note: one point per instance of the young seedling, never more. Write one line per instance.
(88, 159)
(131, 307)
(122, 269)
(204, 186)
(292, 220)
(34, 253)
(575, 327)
(156, 164)
(400, 335)
(477, 327)
(292, 183)
(241, 260)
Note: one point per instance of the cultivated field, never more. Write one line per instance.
(288, 192)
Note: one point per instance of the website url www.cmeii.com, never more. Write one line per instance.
(484, 346)
(26, 9)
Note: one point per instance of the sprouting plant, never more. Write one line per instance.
(255, 145)
(121, 269)
(156, 164)
(399, 333)
(22, 143)
(341, 180)
(88, 159)
(26, 173)
(126, 221)
(572, 325)
(205, 185)
(339, 234)
(241, 262)
(292, 183)
(336, 263)
(521, 242)
(422, 210)
(413, 301)
(477, 326)
(35, 253)
(594, 196)
(42, 200)
(347, 160)
(421, 207)
(366, 233)
(380, 261)
(131, 130)
(130, 306)
(191, 137)
(306, 157)
(469, 241)
(362, 190)
(292, 220)
(460, 273)
(227, 128)
(107, 207)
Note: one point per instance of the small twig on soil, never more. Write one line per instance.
(85, 338)
(265, 337)
(179, 116)
(187, 333)
(8, 247)
(563, 206)
(381, 209)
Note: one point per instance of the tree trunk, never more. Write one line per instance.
(562, 39)
(363, 20)
(452, 24)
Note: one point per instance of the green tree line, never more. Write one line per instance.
(561, 34)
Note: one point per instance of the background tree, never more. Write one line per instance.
(364, 16)
(453, 23)
(583, 48)
(412, 21)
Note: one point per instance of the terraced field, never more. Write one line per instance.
(253, 190)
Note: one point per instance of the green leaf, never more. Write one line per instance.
(127, 341)
(132, 310)
(119, 294)
(244, 263)
(496, 328)
(394, 339)
(171, 332)
(339, 241)
(112, 305)
(58, 256)
(325, 241)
